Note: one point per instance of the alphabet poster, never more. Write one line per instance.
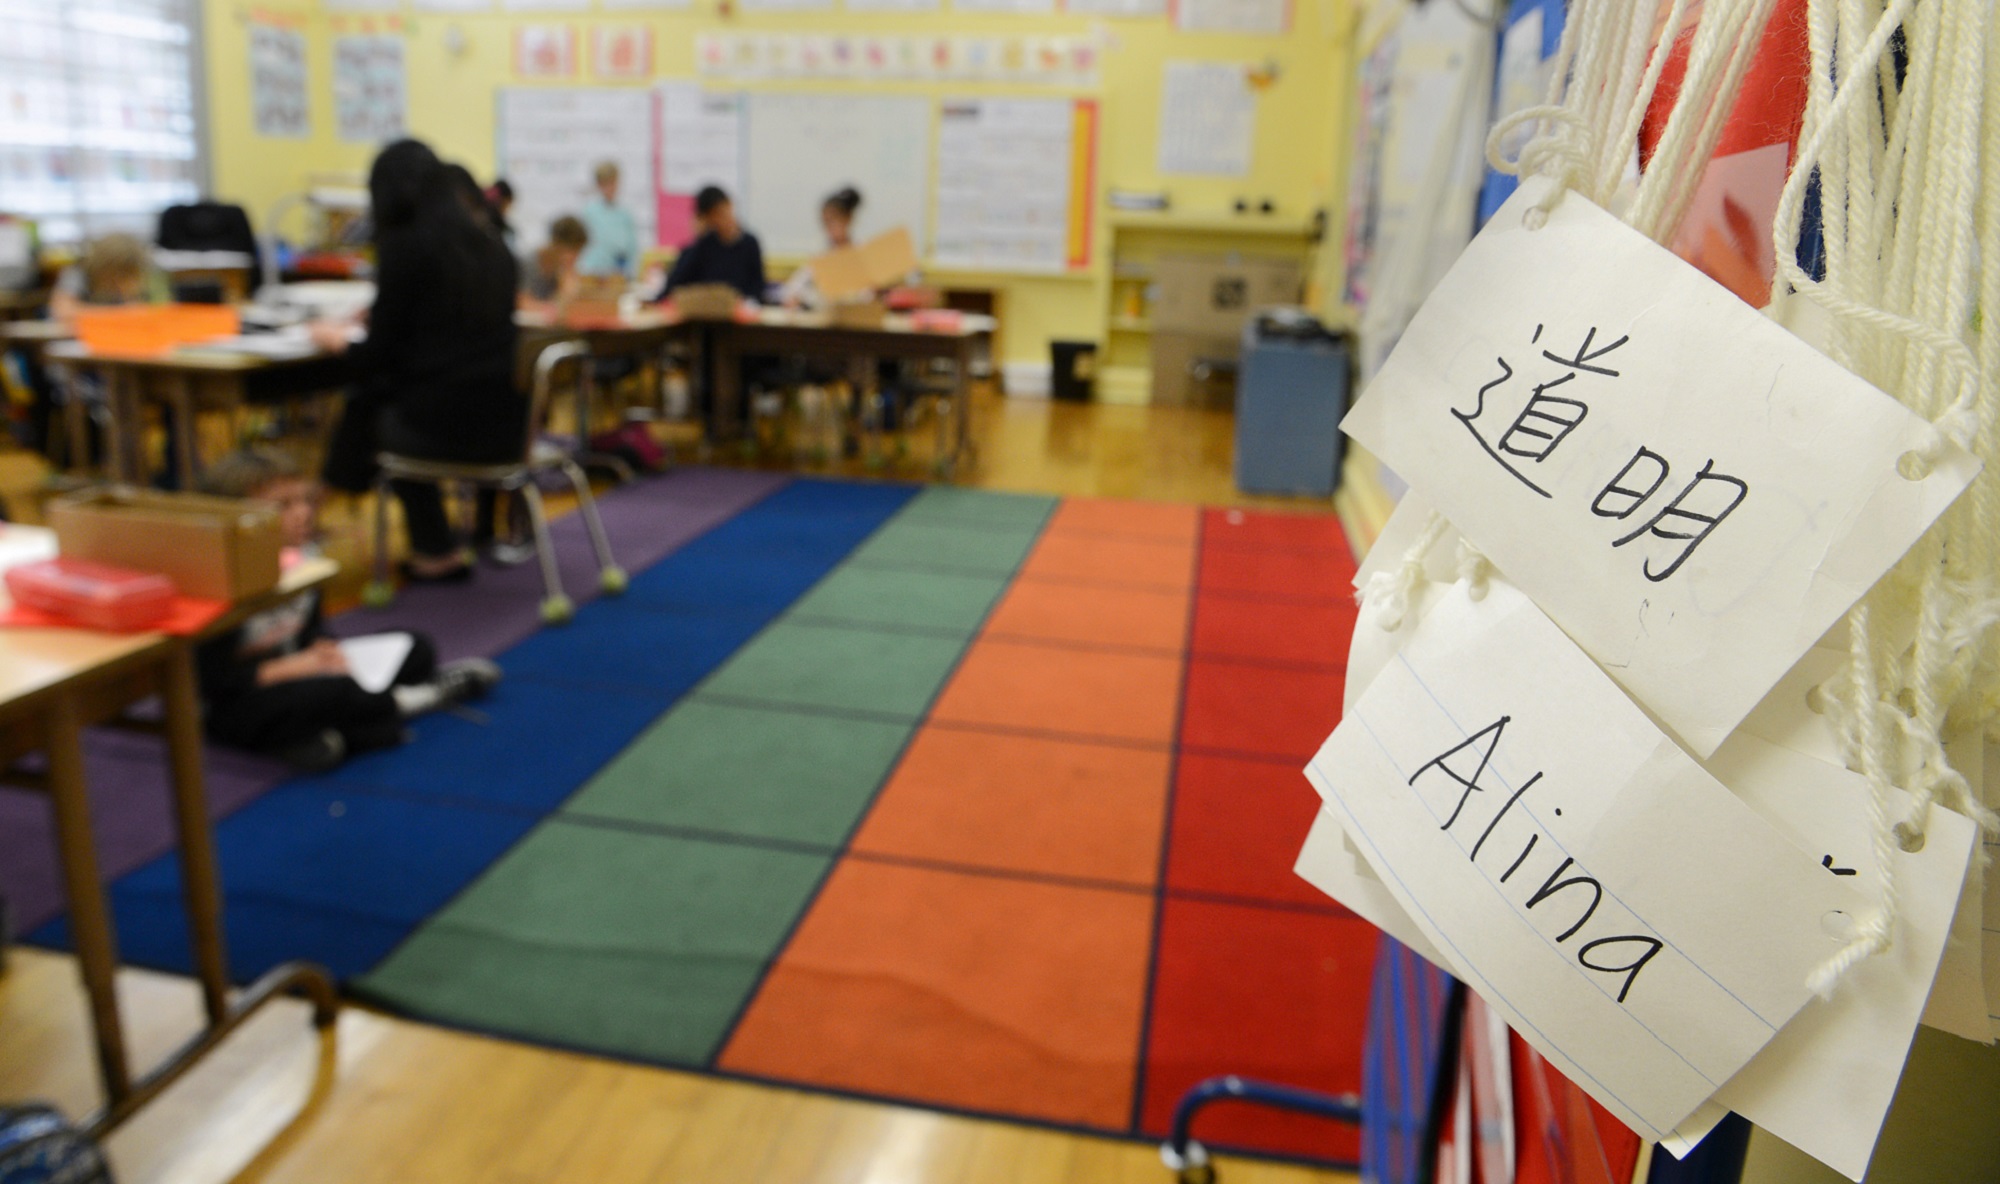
(278, 104)
(369, 94)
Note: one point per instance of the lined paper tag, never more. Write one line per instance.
(1635, 921)
(1691, 492)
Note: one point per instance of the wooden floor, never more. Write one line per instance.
(381, 1099)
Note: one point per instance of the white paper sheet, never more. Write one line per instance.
(1824, 1084)
(1003, 183)
(1208, 119)
(369, 89)
(701, 139)
(1266, 17)
(1324, 863)
(373, 660)
(1682, 926)
(278, 106)
(1691, 492)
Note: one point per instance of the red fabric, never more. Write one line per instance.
(1771, 102)
(1280, 995)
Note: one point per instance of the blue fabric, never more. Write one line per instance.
(340, 868)
(312, 872)
(1498, 187)
(613, 248)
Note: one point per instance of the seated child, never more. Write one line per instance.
(724, 252)
(278, 685)
(553, 275)
(115, 269)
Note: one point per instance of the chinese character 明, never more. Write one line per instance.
(1690, 518)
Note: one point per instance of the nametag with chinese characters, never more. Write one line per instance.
(1691, 492)
(1646, 930)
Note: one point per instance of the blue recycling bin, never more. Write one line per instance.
(1291, 390)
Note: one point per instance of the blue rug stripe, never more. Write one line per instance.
(323, 868)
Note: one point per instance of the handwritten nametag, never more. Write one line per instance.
(1691, 492)
(1324, 862)
(1631, 918)
(1825, 1082)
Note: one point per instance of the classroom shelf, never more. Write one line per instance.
(1170, 222)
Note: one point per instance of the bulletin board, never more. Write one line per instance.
(550, 141)
(989, 184)
(801, 146)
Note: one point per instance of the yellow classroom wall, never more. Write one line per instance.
(455, 63)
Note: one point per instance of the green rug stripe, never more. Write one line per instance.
(635, 944)
(648, 945)
(935, 600)
(741, 770)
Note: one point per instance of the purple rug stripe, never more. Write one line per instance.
(129, 799)
(128, 772)
(644, 520)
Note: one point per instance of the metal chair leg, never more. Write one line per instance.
(379, 591)
(557, 608)
(610, 577)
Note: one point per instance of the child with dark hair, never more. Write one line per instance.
(554, 274)
(279, 685)
(836, 217)
(724, 252)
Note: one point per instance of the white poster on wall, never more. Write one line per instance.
(1021, 7)
(452, 5)
(1208, 119)
(369, 93)
(278, 105)
(701, 144)
(1115, 7)
(1003, 184)
(1264, 17)
(551, 141)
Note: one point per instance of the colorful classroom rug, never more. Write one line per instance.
(977, 801)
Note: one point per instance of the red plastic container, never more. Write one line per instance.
(93, 594)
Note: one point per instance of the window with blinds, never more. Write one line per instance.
(98, 128)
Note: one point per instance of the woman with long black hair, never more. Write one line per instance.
(434, 378)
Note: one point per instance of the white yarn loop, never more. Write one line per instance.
(1474, 570)
(1389, 592)
(1906, 154)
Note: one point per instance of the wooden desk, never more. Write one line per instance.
(643, 335)
(777, 331)
(179, 379)
(53, 684)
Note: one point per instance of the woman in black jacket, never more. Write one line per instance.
(434, 378)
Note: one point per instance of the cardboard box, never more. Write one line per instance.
(212, 548)
(865, 314)
(707, 302)
(1215, 294)
(1183, 375)
(849, 273)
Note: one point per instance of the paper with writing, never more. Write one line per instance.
(1825, 1082)
(1958, 997)
(1638, 924)
(1691, 492)
(1324, 863)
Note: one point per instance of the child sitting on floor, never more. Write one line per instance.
(278, 685)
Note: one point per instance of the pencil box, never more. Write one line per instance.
(93, 594)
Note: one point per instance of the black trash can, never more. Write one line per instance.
(1073, 370)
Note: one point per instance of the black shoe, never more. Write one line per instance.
(453, 575)
(465, 681)
(315, 754)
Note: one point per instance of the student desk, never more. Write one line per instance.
(53, 684)
(185, 380)
(797, 334)
(642, 335)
